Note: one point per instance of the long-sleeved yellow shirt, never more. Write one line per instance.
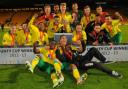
(34, 31)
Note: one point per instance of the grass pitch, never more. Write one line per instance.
(18, 77)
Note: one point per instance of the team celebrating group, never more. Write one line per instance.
(90, 29)
(54, 57)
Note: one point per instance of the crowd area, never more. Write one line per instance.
(87, 28)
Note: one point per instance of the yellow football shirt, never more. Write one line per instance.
(113, 29)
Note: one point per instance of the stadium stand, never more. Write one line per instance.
(15, 16)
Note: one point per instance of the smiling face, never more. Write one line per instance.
(56, 20)
(24, 26)
(46, 22)
(75, 6)
(13, 30)
(108, 20)
(56, 8)
(79, 28)
(99, 9)
(63, 8)
(41, 26)
(52, 45)
(63, 40)
(47, 9)
(87, 10)
(97, 28)
(98, 19)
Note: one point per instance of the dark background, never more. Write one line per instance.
(121, 5)
(31, 3)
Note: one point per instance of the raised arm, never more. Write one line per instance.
(32, 20)
(119, 16)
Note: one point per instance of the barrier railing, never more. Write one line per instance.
(19, 55)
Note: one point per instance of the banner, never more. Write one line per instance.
(16, 55)
(115, 53)
(22, 54)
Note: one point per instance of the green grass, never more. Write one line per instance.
(18, 77)
(124, 29)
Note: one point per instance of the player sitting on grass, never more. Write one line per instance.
(84, 61)
(46, 60)
(67, 64)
